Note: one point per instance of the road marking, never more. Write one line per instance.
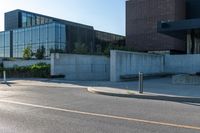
(103, 115)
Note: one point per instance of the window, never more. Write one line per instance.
(37, 20)
(33, 20)
(24, 20)
(7, 39)
(42, 20)
(51, 32)
(35, 35)
(27, 33)
(43, 33)
(29, 19)
(1, 39)
(21, 36)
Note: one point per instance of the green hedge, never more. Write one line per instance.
(40, 70)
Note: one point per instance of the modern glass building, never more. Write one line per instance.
(5, 41)
(26, 29)
(51, 36)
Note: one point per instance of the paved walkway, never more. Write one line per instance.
(152, 87)
(156, 86)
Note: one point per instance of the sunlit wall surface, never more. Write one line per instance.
(51, 36)
(5, 44)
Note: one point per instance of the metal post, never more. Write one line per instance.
(140, 82)
(4, 76)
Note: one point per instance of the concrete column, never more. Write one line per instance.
(197, 45)
(189, 43)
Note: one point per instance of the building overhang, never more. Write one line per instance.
(178, 29)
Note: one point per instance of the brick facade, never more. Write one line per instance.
(141, 24)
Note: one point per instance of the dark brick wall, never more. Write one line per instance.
(141, 24)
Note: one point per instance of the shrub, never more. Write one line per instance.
(40, 70)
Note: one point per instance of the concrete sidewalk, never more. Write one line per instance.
(156, 89)
(134, 94)
(162, 86)
(152, 88)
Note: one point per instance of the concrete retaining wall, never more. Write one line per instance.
(182, 63)
(124, 63)
(11, 64)
(80, 67)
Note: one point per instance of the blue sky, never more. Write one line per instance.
(105, 15)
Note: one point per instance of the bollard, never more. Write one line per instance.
(4, 76)
(140, 82)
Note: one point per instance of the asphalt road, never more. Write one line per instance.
(39, 109)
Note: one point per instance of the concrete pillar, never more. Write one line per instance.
(189, 43)
(196, 45)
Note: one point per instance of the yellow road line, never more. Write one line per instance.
(103, 115)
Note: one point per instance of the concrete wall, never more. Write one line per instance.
(123, 63)
(80, 67)
(182, 63)
(10, 64)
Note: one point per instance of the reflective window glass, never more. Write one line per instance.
(7, 39)
(33, 20)
(38, 20)
(27, 36)
(43, 33)
(29, 19)
(51, 32)
(2, 39)
(24, 20)
(42, 20)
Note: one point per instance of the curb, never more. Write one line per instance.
(148, 96)
(96, 91)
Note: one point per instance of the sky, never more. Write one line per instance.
(104, 15)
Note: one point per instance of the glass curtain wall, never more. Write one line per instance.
(5, 44)
(51, 36)
(103, 40)
(29, 20)
(80, 36)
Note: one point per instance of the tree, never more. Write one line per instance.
(40, 53)
(27, 54)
